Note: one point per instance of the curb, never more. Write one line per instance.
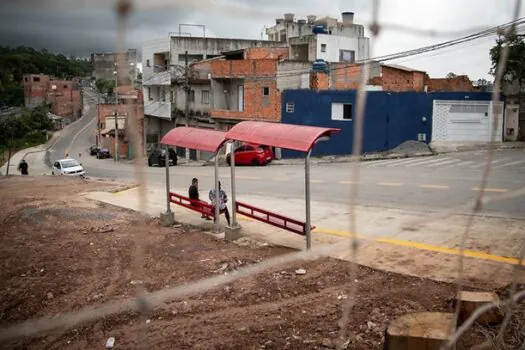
(124, 188)
(363, 158)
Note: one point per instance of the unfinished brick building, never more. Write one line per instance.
(248, 80)
(132, 105)
(64, 96)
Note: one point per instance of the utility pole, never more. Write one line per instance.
(116, 158)
(98, 121)
(187, 102)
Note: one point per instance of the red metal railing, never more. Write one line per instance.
(199, 206)
(271, 218)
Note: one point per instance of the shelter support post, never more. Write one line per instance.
(233, 232)
(308, 225)
(217, 195)
(167, 218)
(234, 195)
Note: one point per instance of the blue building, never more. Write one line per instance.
(391, 118)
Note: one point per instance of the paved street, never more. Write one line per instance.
(427, 183)
(76, 137)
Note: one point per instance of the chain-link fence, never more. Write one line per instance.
(144, 302)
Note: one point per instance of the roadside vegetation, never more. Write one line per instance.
(28, 128)
(17, 61)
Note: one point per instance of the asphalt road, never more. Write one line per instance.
(442, 182)
(77, 135)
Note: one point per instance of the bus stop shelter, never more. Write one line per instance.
(294, 137)
(198, 139)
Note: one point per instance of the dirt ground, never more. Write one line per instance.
(60, 252)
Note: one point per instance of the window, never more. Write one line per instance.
(205, 97)
(163, 95)
(346, 56)
(35, 79)
(147, 63)
(323, 47)
(152, 138)
(192, 96)
(266, 91)
(65, 86)
(342, 111)
(25, 79)
(290, 107)
(149, 95)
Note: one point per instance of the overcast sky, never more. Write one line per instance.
(79, 27)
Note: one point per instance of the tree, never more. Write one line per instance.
(515, 65)
(451, 75)
(17, 61)
(105, 86)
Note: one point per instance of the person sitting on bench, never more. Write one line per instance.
(193, 194)
(223, 198)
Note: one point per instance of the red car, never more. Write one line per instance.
(250, 154)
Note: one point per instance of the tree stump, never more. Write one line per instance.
(470, 301)
(419, 331)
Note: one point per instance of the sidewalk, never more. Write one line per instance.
(448, 147)
(414, 243)
(34, 156)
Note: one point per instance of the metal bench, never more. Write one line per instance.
(195, 205)
(271, 218)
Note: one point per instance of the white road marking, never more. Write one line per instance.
(441, 163)
(460, 164)
(509, 164)
(483, 163)
(405, 162)
(426, 161)
(78, 133)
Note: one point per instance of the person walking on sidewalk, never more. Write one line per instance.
(23, 167)
(223, 199)
(193, 194)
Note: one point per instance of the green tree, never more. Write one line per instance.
(515, 65)
(451, 75)
(104, 86)
(17, 61)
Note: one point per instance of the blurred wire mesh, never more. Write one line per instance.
(144, 302)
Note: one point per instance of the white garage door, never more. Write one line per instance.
(465, 121)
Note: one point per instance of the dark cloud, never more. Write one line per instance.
(79, 31)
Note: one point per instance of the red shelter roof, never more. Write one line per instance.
(294, 137)
(193, 138)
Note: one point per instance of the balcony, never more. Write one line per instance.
(227, 114)
(160, 78)
(158, 109)
(243, 68)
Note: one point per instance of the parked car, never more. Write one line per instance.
(93, 150)
(251, 154)
(68, 167)
(103, 153)
(158, 157)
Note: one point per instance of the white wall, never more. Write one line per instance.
(465, 121)
(293, 75)
(335, 43)
(149, 48)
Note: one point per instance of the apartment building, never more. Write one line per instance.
(103, 65)
(164, 77)
(325, 39)
(63, 96)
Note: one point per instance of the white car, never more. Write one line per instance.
(68, 167)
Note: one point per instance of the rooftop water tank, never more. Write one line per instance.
(320, 29)
(320, 65)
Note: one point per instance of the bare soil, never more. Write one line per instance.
(60, 252)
